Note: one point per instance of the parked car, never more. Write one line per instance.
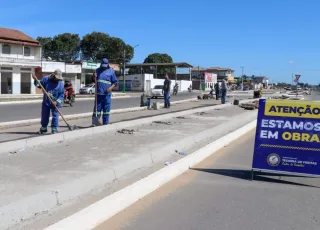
(157, 91)
(88, 89)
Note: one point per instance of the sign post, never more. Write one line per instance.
(287, 137)
(296, 80)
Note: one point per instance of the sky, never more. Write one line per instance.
(267, 37)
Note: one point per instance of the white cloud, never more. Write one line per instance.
(291, 62)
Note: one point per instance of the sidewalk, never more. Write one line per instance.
(41, 179)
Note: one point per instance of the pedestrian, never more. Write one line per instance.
(53, 84)
(224, 88)
(166, 91)
(106, 81)
(217, 89)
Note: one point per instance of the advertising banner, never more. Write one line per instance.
(208, 77)
(288, 137)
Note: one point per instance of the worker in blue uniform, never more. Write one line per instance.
(53, 84)
(106, 81)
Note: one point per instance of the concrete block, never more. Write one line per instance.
(140, 161)
(156, 105)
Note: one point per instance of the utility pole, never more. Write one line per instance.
(242, 77)
(200, 77)
(124, 71)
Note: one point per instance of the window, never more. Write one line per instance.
(6, 68)
(25, 69)
(27, 51)
(5, 49)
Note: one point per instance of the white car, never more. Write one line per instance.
(88, 89)
(157, 91)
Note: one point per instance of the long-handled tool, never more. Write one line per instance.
(96, 120)
(71, 128)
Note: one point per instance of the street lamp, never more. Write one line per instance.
(124, 68)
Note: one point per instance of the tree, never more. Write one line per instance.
(96, 46)
(93, 45)
(46, 44)
(61, 47)
(159, 58)
(65, 45)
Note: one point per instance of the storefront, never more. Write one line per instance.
(16, 80)
(87, 71)
(70, 72)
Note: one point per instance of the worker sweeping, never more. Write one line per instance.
(106, 80)
(53, 84)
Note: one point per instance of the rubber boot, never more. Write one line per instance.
(43, 130)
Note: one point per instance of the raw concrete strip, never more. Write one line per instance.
(80, 115)
(49, 139)
(102, 210)
(57, 174)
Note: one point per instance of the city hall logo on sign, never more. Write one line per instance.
(273, 159)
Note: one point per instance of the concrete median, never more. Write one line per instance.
(75, 167)
(97, 213)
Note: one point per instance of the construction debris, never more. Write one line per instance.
(126, 131)
(250, 105)
(162, 122)
(181, 117)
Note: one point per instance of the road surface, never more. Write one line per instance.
(16, 112)
(217, 194)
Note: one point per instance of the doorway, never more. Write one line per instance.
(6, 83)
(25, 83)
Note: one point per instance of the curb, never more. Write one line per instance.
(80, 115)
(66, 136)
(99, 212)
(40, 100)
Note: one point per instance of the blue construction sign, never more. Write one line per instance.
(288, 137)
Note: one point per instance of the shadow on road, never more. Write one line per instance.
(258, 176)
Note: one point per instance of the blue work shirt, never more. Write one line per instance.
(105, 78)
(54, 89)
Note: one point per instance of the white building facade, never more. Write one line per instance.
(19, 56)
(70, 72)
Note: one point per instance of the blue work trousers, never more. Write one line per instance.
(223, 96)
(103, 108)
(45, 116)
(166, 99)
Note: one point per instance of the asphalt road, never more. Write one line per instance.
(16, 112)
(217, 194)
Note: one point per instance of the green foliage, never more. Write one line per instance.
(94, 46)
(61, 47)
(159, 58)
